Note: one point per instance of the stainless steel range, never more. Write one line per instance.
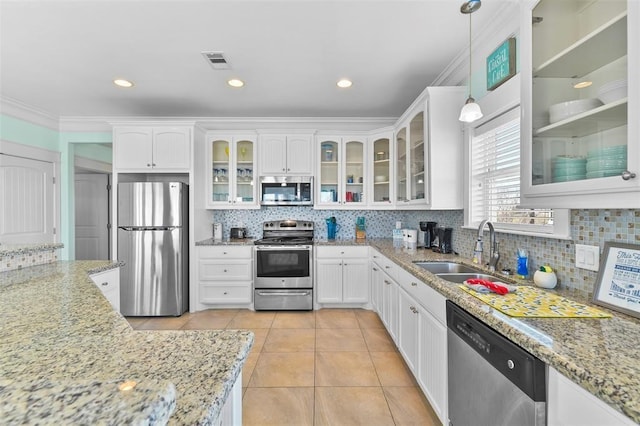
(284, 266)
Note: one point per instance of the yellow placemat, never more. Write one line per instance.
(535, 303)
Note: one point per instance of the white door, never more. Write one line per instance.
(92, 216)
(26, 200)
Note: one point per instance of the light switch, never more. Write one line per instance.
(587, 257)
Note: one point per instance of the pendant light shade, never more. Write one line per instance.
(471, 110)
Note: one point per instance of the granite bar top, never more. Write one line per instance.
(601, 355)
(17, 249)
(57, 326)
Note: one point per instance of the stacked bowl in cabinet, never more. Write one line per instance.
(609, 161)
(566, 168)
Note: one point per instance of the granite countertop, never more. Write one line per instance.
(17, 249)
(227, 242)
(57, 327)
(601, 355)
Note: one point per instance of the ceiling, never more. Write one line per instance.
(61, 56)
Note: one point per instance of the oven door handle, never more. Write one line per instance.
(266, 248)
(284, 293)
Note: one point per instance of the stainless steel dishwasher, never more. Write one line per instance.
(492, 381)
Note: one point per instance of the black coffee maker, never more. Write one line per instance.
(444, 240)
(429, 229)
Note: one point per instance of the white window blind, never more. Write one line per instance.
(495, 178)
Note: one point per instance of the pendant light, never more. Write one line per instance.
(471, 110)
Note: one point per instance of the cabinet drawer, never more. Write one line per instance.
(225, 293)
(429, 298)
(107, 281)
(225, 252)
(215, 270)
(388, 266)
(342, 251)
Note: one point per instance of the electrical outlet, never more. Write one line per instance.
(587, 257)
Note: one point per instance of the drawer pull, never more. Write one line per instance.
(413, 309)
(104, 284)
(414, 284)
(375, 269)
(387, 282)
(387, 267)
(225, 293)
(225, 270)
(224, 252)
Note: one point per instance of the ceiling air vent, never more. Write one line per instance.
(216, 60)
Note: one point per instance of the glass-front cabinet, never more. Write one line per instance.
(410, 161)
(230, 165)
(342, 174)
(581, 96)
(381, 157)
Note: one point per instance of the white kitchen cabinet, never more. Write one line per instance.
(591, 158)
(376, 288)
(432, 364)
(152, 149)
(286, 155)
(231, 171)
(568, 404)
(409, 329)
(109, 284)
(390, 306)
(225, 276)
(341, 172)
(381, 157)
(342, 275)
(429, 151)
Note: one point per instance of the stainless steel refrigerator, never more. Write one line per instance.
(153, 243)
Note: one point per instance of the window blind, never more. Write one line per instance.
(495, 178)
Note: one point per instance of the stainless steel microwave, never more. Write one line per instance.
(286, 190)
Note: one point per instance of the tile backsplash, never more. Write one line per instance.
(590, 227)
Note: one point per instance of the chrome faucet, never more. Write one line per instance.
(494, 255)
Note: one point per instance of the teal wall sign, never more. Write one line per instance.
(501, 64)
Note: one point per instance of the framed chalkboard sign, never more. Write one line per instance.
(501, 64)
(618, 282)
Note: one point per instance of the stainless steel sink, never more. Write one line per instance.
(445, 267)
(461, 277)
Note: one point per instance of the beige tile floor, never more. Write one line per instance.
(327, 367)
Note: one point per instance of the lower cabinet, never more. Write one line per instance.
(109, 284)
(415, 317)
(568, 404)
(225, 276)
(342, 275)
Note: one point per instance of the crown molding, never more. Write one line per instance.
(503, 25)
(29, 113)
(85, 124)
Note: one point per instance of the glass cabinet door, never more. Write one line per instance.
(245, 185)
(416, 146)
(579, 91)
(381, 170)
(329, 172)
(220, 163)
(354, 172)
(401, 165)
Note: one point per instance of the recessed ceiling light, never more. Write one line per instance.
(234, 82)
(344, 83)
(122, 82)
(582, 84)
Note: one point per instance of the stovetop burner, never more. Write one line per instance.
(286, 233)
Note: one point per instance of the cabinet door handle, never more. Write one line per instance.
(148, 164)
(414, 284)
(375, 269)
(224, 252)
(225, 270)
(288, 169)
(153, 164)
(387, 282)
(225, 293)
(104, 284)
(387, 267)
(413, 309)
(283, 169)
(626, 175)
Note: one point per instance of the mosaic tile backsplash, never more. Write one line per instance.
(19, 257)
(590, 227)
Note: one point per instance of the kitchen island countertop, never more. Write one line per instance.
(57, 327)
(601, 355)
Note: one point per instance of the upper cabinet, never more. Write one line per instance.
(341, 172)
(286, 155)
(429, 151)
(580, 132)
(152, 149)
(381, 157)
(231, 171)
